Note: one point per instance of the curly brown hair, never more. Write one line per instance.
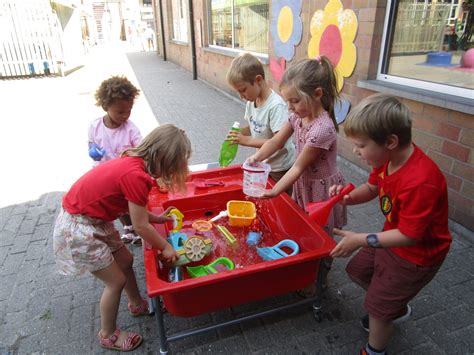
(115, 88)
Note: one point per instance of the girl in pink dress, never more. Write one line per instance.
(309, 88)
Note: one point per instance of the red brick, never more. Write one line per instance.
(448, 131)
(468, 190)
(453, 182)
(458, 200)
(363, 41)
(456, 151)
(467, 137)
(422, 123)
(466, 171)
(463, 120)
(366, 28)
(414, 106)
(366, 15)
(435, 112)
(445, 163)
(427, 141)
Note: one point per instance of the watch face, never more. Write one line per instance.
(372, 240)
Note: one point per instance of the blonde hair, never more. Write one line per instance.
(166, 151)
(245, 67)
(308, 75)
(378, 116)
(115, 88)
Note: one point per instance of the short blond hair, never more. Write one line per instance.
(245, 68)
(166, 151)
(377, 117)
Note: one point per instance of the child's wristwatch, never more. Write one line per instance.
(373, 241)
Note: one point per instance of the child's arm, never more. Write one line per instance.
(352, 241)
(272, 145)
(305, 158)
(141, 224)
(363, 193)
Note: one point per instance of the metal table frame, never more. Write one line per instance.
(165, 339)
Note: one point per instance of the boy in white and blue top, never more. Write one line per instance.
(266, 112)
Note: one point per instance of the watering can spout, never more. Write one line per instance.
(319, 211)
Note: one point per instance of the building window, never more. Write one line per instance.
(423, 44)
(179, 20)
(239, 24)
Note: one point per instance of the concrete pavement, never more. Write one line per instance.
(44, 147)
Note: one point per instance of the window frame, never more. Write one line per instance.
(382, 75)
(181, 10)
(231, 51)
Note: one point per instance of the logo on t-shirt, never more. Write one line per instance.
(385, 204)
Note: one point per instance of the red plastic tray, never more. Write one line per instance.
(252, 279)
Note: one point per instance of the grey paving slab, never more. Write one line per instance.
(42, 312)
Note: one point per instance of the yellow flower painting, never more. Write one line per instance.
(333, 31)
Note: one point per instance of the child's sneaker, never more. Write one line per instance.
(364, 321)
(130, 236)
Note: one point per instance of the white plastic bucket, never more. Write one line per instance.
(255, 179)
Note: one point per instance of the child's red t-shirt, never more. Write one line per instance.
(104, 191)
(414, 200)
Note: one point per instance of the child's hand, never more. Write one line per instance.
(163, 218)
(169, 255)
(335, 190)
(96, 152)
(236, 137)
(233, 136)
(349, 243)
(252, 160)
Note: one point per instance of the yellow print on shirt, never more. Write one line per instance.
(386, 205)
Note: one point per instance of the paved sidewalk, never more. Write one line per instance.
(42, 312)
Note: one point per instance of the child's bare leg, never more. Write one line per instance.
(125, 220)
(380, 333)
(124, 259)
(114, 280)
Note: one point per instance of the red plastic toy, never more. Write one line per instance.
(319, 211)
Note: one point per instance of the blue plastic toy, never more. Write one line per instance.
(96, 152)
(275, 252)
(177, 240)
(253, 238)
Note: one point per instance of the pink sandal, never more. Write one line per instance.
(131, 342)
(140, 310)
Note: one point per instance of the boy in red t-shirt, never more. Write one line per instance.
(395, 264)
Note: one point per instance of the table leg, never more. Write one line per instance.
(161, 325)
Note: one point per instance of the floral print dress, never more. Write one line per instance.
(313, 185)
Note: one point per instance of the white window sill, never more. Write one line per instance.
(235, 52)
(179, 43)
(450, 102)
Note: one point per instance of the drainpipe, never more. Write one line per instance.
(162, 25)
(193, 39)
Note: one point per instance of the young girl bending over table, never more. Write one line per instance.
(85, 238)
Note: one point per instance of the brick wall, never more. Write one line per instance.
(446, 136)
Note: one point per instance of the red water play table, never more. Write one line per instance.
(252, 279)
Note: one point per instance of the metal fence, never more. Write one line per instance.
(420, 27)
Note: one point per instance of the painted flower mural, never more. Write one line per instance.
(332, 34)
(286, 27)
